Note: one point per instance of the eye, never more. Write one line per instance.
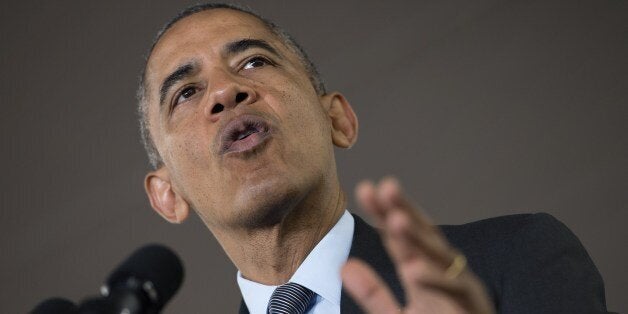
(185, 94)
(256, 62)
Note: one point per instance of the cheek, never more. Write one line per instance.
(306, 127)
(193, 174)
(184, 150)
(188, 156)
(187, 140)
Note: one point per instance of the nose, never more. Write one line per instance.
(227, 93)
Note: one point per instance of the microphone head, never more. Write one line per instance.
(55, 306)
(156, 267)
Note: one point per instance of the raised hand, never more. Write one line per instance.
(434, 275)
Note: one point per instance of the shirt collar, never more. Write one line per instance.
(319, 272)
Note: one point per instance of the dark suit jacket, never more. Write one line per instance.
(530, 263)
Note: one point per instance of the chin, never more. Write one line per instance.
(266, 203)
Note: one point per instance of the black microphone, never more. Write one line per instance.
(55, 306)
(142, 284)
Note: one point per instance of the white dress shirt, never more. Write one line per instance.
(319, 272)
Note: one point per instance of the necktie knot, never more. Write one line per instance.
(290, 298)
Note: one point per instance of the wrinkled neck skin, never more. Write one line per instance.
(271, 254)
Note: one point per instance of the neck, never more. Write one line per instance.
(272, 254)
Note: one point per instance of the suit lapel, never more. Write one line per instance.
(243, 308)
(368, 247)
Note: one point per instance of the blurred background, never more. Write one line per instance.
(482, 108)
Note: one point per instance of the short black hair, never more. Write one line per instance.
(154, 157)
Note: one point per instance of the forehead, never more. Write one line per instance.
(202, 34)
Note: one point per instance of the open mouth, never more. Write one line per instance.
(244, 133)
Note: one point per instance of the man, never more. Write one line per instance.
(239, 127)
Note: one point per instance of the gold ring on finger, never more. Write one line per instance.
(457, 266)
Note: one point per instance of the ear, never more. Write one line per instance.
(343, 119)
(163, 198)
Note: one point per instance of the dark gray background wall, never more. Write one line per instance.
(482, 108)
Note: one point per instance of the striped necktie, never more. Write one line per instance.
(290, 298)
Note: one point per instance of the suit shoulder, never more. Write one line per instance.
(508, 222)
(536, 233)
(531, 263)
(499, 229)
(496, 244)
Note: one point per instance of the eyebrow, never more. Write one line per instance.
(246, 44)
(189, 68)
(182, 72)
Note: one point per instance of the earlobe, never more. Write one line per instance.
(163, 198)
(344, 121)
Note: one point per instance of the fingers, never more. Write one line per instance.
(466, 291)
(395, 214)
(367, 289)
(366, 195)
(416, 264)
(391, 196)
(405, 237)
(422, 257)
(386, 197)
(422, 261)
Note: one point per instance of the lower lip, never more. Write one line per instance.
(248, 143)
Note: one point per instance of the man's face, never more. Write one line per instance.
(237, 122)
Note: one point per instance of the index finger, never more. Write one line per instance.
(391, 197)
